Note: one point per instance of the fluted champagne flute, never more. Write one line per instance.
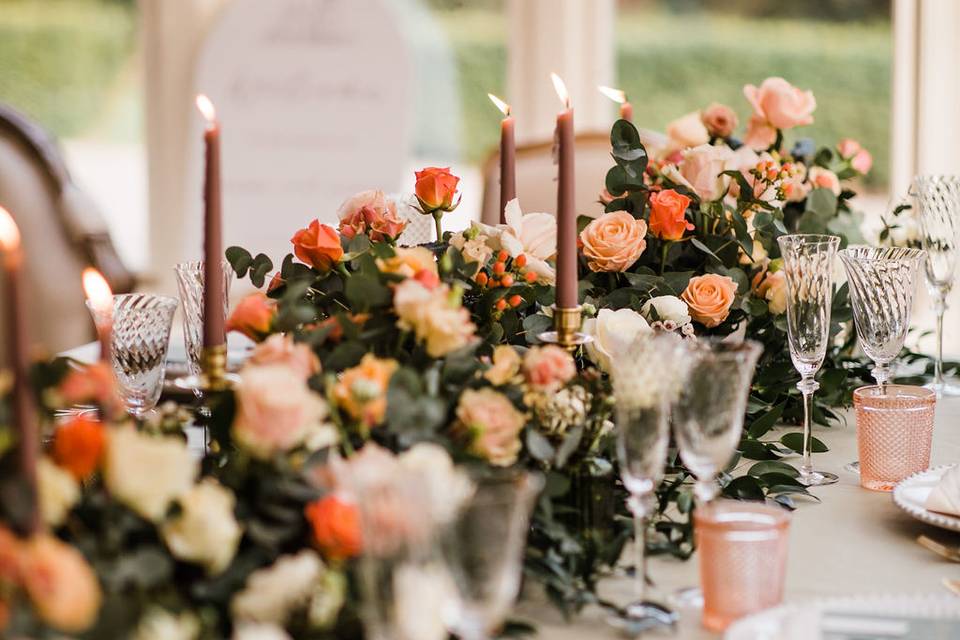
(808, 261)
(938, 202)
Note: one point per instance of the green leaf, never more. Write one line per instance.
(538, 445)
(773, 466)
(240, 259)
(704, 248)
(744, 488)
(775, 478)
(365, 292)
(569, 445)
(764, 423)
(795, 441)
(262, 265)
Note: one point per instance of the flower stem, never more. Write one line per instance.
(437, 216)
(663, 256)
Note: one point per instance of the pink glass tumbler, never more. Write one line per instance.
(894, 433)
(743, 558)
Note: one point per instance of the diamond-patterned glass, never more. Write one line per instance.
(190, 282)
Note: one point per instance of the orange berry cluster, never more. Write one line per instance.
(502, 275)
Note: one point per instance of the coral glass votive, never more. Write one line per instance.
(743, 559)
(894, 433)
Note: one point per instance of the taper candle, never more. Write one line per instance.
(100, 301)
(619, 96)
(508, 158)
(567, 280)
(213, 312)
(18, 346)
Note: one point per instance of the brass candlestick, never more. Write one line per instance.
(213, 372)
(566, 329)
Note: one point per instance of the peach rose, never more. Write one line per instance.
(78, 446)
(318, 245)
(862, 162)
(92, 384)
(60, 582)
(370, 213)
(780, 104)
(821, 178)
(702, 170)
(614, 241)
(688, 131)
(282, 350)
(492, 425)
(253, 316)
(335, 523)
(436, 188)
(668, 214)
(275, 410)
(435, 315)
(362, 390)
(719, 119)
(409, 261)
(848, 147)
(760, 135)
(548, 368)
(506, 365)
(709, 298)
(771, 286)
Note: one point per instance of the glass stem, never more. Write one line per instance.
(640, 553)
(807, 386)
(706, 490)
(940, 307)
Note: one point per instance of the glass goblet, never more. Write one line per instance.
(708, 417)
(938, 203)
(808, 261)
(140, 337)
(646, 379)
(190, 282)
(484, 550)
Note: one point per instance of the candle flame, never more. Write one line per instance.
(561, 90)
(97, 290)
(617, 95)
(9, 232)
(206, 108)
(500, 104)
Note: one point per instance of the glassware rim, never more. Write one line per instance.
(809, 239)
(911, 252)
(725, 345)
(532, 481)
(865, 394)
(192, 265)
(165, 299)
(741, 512)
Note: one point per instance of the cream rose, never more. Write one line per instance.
(434, 315)
(205, 531)
(709, 298)
(160, 624)
(781, 104)
(492, 425)
(772, 288)
(146, 473)
(276, 410)
(58, 491)
(701, 170)
(688, 131)
(282, 350)
(506, 365)
(271, 594)
(668, 309)
(613, 332)
(821, 178)
(614, 241)
(448, 486)
(259, 631)
(409, 261)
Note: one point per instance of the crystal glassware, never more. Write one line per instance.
(646, 379)
(484, 550)
(808, 261)
(708, 417)
(190, 282)
(140, 337)
(743, 558)
(894, 433)
(938, 203)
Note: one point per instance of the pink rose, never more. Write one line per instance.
(548, 368)
(492, 424)
(688, 131)
(60, 582)
(719, 119)
(780, 104)
(862, 162)
(760, 135)
(282, 350)
(848, 147)
(275, 410)
(701, 170)
(614, 241)
(821, 178)
(370, 213)
(709, 298)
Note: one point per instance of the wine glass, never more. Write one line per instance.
(191, 283)
(646, 380)
(938, 201)
(808, 261)
(484, 550)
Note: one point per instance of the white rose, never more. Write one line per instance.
(160, 624)
(668, 308)
(58, 492)
(205, 531)
(271, 594)
(613, 332)
(449, 487)
(254, 631)
(425, 596)
(688, 131)
(145, 472)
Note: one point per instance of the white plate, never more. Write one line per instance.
(911, 495)
(877, 616)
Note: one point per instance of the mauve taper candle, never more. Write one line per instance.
(508, 156)
(214, 333)
(567, 279)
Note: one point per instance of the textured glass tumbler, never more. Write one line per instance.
(743, 559)
(139, 341)
(191, 286)
(894, 433)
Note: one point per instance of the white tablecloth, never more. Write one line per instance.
(854, 541)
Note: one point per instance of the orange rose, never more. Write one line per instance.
(253, 316)
(93, 384)
(408, 262)
(436, 188)
(709, 298)
(362, 390)
(667, 219)
(371, 213)
(78, 446)
(614, 241)
(336, 527)
(61, 584)
(318, 246)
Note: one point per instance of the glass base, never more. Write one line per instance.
(817, 478)
(687, 598)
(853, 467)
(947, 389)
(638, 617)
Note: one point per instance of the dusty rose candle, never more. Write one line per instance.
(566, 208)
(213, 312)
(617, 95)
(100, 301)
(508, 158)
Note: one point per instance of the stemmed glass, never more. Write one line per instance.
(938, 200)
(646, 380)
(808, 261)
(190, 282)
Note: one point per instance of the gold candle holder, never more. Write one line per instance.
(213, 372)
(567, 322)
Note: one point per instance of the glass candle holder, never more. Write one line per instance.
(743, 559)
(894, 433)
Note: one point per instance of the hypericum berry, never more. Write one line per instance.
(481, 279)
(520, 261)
(494, 283)
(515, 300)
(530, 277)
(501, 304)
(503, 255)
(506, 280)
(499, 268)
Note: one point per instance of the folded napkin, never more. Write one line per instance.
(945, 497)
